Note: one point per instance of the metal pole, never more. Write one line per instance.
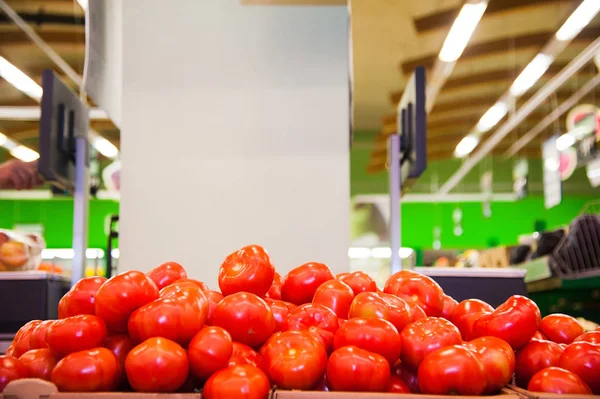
(80, 211)
(395, 190)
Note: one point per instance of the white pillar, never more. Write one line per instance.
(235, 130)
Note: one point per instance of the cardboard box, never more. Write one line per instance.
(542, 395)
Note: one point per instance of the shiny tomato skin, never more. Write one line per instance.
(583, 359)
(514, 321)
(280, 310)
(450, 305)
(121, 295)
(240, 382)
(539, 336)
(39, 363)
(426, 336)
(92, 370)
(557, 380)
(452, 370)
(315, 318)
(353, 369)
(300, 284)
(295, 359)
(209, 351)
(275, 290)
(176, 315)
(157, 365)
(498, 359)
(374, 335)
(590, 336)
(214, 297)
(246, 317)
(39, 333)
(248, 269)
(11, 369)
(466, 313)
(416, 311)
(397, 385)
(76, 333)
(22, 341)
(408, 375)
(421, 289)
(533, 357)
(561, 328)
(369, 304)
(400, 313)
(166, 274)
(120, 345)
(336, 295)
(243, 354)
(81, 297)
(359, 282)
(203, 286)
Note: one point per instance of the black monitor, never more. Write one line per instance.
(64, 116)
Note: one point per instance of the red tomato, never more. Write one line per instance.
(10, 351)
(81, 298)
(275, 290)
(590, 336)
(339, 276)
(316, 319)
(408, 375)
(450, 306)
(396, 385)
(583, 359)
(359, 282)
(498, 361)
(425, 336)
(539, 336)
(354, 369)
(374, 335)
(39, 363)
(400, 313)
(11, 369)
(243, 354)
(280, 311)
(247, 270)
(418, 288)
(166, 274)
(561, 328)
(335, 295)
(417, 313)
(92, 370)
(557, 380)
(121, 295)
(452, 370)
(514, 321)
(466, 313)
(300, 284)
(214, 297)
(38, 335)
(295, 359)
(209, 351)
(240, 382)
(369, 304)
(22, 341)
(533, 357)
(76, 333)
(203, 286)
(177, 315)
(246, 317)
(157, 365)
(120, 346)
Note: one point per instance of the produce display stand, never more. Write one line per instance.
(541, 395)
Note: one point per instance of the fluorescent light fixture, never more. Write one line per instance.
(461, 30)
(105, 147)
(381, 253)
(18, 79)
(9, 144)
(3, 139)
(466, 146)
(532, 72)
(25, 154)
(359, 253)
(68, 253)
(364, 253)
(492, 117)
(582, 16)
(565, 141)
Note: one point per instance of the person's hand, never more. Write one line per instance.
(19, 175)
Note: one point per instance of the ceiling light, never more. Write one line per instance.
(3, 139)
(15, 77)
(582, 16)
(461, 30)
(25, 154)
(105, 147)
(565, 141)
(532, 72)
(466, 146)
(492, 117)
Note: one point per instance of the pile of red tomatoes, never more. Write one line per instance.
(310, 330)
